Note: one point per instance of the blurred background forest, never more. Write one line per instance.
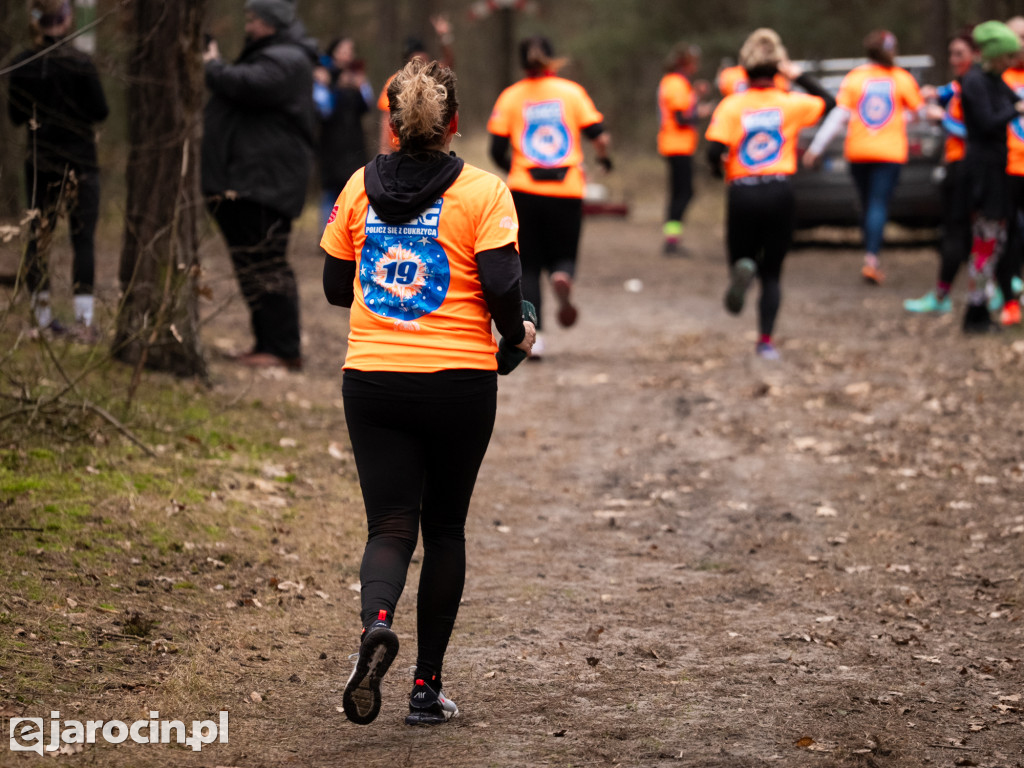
(615, 47)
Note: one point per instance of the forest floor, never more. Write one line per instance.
(679, 554)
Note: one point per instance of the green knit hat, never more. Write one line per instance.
(995, 39)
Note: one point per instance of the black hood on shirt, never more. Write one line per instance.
(400, 186)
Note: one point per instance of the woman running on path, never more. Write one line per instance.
(873, 99)
(679, 109)
(422, 247)
(754, 135)
(536, 127)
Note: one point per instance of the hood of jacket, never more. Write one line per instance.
(401, 186)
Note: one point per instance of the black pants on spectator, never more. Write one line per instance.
(760, 227)
(418, 441)
(77, 191)
(257, 239)
(549, 239)
(680, 185)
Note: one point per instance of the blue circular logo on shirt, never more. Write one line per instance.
(403, 277)
(761, 148)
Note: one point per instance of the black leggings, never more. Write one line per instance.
(418, 441)
(955, 245)
(680, 185)
(760, 227)
(549, 239)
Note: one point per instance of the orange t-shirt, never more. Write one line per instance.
(876, 97)
(1015, 130)
(734, 80)
(418, 303)
(675, 94)
(760, 126)
(956, 147)
(542, 118)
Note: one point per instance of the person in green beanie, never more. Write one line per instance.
(989, 104)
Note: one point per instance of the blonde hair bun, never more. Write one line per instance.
(763, 48)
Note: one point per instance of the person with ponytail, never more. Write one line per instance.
(752, 141)
(536, 128)
(422, 247)
(875, 102)
(55, 91)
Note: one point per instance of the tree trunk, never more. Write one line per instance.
(11, 151)
(158, 323)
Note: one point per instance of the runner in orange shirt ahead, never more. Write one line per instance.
(679, 107)
(874, 99)
(536, 127)
(422, 247)
(754, 134)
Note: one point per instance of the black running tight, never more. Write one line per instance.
(418, 441)
(549, 237)
(680, 185)
(760, 227)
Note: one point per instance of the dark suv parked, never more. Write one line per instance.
(826, 196)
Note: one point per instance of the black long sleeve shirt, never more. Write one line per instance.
(988, 104)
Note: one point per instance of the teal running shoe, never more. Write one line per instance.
(929, 303)
(995, 301)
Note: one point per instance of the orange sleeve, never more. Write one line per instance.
(849, 95)
(499, 224)
(910, 92)
(722, 127)
(810, 109)
(587, 113)
(499, 123)
(337, 237)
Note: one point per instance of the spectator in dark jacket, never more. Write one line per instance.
(257, 157)
(56, 92)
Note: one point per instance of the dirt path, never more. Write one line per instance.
(679, 555)
(682, 555)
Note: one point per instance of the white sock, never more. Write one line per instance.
(83, 308)
(41, 308)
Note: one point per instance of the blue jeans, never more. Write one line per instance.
(875, 183)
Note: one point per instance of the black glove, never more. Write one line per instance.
(509, 355)
(605, 162)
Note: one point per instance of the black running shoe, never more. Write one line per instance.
(378, 648)
(977, 320)
(740, 277)
(429, 707)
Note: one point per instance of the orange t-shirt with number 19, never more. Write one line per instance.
(418, 304)
(877, 98)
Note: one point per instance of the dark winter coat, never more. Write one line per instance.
(60, 92)
(258, 127)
